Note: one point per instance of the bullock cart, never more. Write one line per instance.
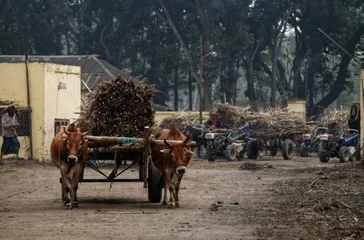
(119, 149)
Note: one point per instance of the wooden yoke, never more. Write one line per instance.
(123, 140)
(146, 155)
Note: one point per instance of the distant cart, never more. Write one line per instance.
(119, 149)
(285, 142)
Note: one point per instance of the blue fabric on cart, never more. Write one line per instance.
(127, 140)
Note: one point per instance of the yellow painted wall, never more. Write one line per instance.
(47, 102)
(13, 88)
(362, 113)
(60, 103)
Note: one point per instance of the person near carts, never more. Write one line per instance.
(9, 124)
(213, 120)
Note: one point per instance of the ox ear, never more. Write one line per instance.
(186, 140)
(165, 151)
(65, 129)
(64, 137)
(190, 153)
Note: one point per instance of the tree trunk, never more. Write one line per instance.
(231, 81)
(340, 81)
(298, 84)
(175, 81)
(249, 60)
(190, 103)
(207, 84)
(273, 94)
(250, 82)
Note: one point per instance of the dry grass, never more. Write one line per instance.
(327, 206)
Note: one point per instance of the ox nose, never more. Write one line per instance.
(72, 159)
(180, 170)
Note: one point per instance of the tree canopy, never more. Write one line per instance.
(273, 47)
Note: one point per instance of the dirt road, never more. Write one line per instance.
(218, 201)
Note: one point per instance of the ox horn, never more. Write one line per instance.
(84, 133)
(66, 131)
(167, 143)
(186, 140)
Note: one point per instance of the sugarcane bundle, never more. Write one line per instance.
(181, 119)
(118, 107)
(335, 119)
(265, 124)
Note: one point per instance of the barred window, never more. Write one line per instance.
(23, 119)
(58, 123)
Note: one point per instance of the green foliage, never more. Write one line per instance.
(135, 36)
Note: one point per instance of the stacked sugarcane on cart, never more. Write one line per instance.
(271, 129)
(274, 128)
(119, 117)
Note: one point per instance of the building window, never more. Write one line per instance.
(23, 119)
(58, 123)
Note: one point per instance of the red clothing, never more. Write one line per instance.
(214, 122)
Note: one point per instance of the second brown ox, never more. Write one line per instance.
(69, 154)
(172, 160)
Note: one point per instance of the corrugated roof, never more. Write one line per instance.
(93, 69)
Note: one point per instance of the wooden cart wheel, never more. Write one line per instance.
(252, 150)
(154, 184)
(287, 149)
(273, 148)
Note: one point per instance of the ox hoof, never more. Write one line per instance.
(171, 205)
(177, 204)
(69, 206)
(164, 203)
(65, 202)
(75, 205)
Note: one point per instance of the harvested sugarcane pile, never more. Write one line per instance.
(119, 107)
(335, 120)
(181, 119)
(269, 123)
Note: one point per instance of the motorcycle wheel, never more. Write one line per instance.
(323, 157)
(344, 154)
(303, 150)
(230, 153)
(210, 156)
(241, 156)
(287, 149)
(252, 150)
(273, 147)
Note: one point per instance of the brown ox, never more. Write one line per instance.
(69, 154)
(172, 160)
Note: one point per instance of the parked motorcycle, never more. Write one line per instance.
(197, 134)
(230, 145)
(310, 142)
(345, 147)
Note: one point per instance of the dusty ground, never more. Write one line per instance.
(270, 199)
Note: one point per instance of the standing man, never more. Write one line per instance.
(213, 120)
(9, 124)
